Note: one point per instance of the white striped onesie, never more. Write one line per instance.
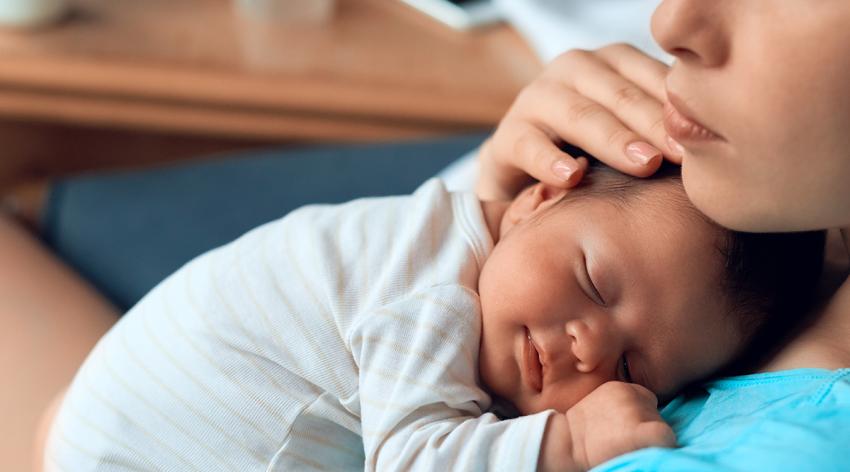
(341, 337)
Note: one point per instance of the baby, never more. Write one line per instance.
(376, 334)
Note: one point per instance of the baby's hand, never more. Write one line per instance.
(614, 419)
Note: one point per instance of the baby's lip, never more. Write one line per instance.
(532, 363)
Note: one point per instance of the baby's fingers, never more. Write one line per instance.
(654, 434)
(645, 394)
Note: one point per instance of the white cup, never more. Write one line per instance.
(31, 13)
(286, 11)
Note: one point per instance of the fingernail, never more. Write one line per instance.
(562, 170)
(642, 153)
(675, 146)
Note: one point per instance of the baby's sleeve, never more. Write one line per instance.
(421, 407)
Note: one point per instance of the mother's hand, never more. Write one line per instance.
(609, 102)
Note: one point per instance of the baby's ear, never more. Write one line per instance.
(532, 200)
(549, 195)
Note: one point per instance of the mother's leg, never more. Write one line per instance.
(49, 321)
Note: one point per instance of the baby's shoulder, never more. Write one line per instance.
(445, 313)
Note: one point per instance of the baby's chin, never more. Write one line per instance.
(503, 403)
(559, 400)
(507, 408)
(526, 406)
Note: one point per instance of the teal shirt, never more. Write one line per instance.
(790, 420)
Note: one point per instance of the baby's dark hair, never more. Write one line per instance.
(769, 279)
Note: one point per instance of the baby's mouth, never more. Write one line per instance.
(533, 366)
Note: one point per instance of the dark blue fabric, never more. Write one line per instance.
(126, 231)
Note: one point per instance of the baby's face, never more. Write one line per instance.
(580, 294)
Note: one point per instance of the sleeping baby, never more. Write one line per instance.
(382, 334)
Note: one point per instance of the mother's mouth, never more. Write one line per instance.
(681, 127)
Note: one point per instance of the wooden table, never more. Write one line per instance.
(193, 70)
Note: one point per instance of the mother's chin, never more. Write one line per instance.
(760, 198)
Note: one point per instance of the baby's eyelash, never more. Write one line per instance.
(627, 374)
(596, 296)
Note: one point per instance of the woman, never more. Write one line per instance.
(757, 111)
(754, 88)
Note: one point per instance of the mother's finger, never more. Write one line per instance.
(517, 152)
(647, 72)
(634, 107)
(585, 123)
(540, 157)
(650, 75)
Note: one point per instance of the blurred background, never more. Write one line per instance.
(117, 83)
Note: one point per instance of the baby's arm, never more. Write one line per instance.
(421, 408)
(614, 419)
(420, 405)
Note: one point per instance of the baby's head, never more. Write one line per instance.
(623, 279)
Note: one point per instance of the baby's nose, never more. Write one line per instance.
(591, 344)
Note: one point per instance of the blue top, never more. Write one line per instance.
(790, 420)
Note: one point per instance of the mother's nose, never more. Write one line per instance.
(694, 30)
(592, 343)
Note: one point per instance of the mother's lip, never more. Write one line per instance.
(680, 126)
(533, 368)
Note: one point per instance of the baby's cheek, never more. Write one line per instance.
(496, 377)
